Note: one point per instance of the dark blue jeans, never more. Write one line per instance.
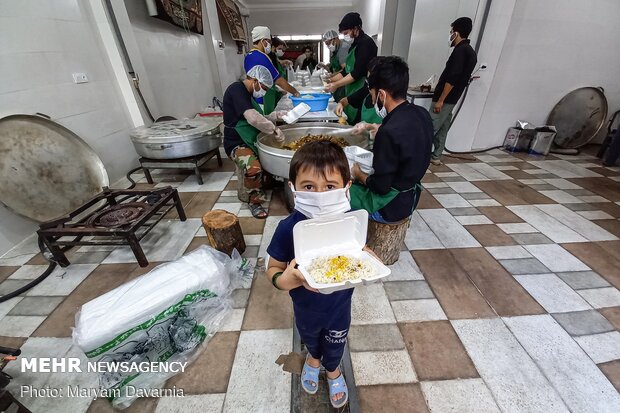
(325, 334)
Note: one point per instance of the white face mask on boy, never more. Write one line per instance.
(322, 204)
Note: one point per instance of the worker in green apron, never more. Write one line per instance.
(243, 120)
(400, 159)
(363, 49)
(337, 60)
(259, 55)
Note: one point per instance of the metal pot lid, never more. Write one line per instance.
(46, 170)
(578, 117)
(176, 130)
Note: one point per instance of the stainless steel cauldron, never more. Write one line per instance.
(177, 138)
(275, 160)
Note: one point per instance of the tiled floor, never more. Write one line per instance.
(505, 298)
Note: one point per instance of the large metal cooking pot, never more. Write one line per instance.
(45, 169)
(275, 160)
(177, 138)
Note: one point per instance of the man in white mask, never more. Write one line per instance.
(243, 121)
(319, 176)
(259, 56)
(401, 148)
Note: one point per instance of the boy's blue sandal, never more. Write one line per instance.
(338, 385)
(310, 378)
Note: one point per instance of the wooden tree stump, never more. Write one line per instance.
(224, 231)
(242, 193)
(386, 239)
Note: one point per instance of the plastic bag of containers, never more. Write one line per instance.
(164, 316)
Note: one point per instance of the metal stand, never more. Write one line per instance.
(192, 162)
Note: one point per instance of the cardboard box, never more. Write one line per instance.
(518, 140)
(543, 139)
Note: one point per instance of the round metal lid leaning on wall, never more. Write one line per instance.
(578, 117)
(46, 170)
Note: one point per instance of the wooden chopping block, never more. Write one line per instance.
(386, 239)
(224, 231)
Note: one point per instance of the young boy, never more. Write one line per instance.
(320, 176)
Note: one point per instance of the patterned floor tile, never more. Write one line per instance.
(375, 337)
(268, 307)
(611, 370)
(405, 269)
(531, 239)
(7, 306)
(382, 367)
(451, 201)
(419, 235)
(28, 272)
(206, 403)
(200, 204)
(547, 224)
(466, 396)
(461, 212)
(510, 374)
(431, 361)
(524, 266)
(62, 281)
(508, 252)
(601, 297)
(552, 293)
(213, 181)
(580, 280)
(581, 323)
(518, 228)
(490, 235)
(370, 305)
(391, 398)
(503, 293)
(561, 197)
(418, 310)
(556, 258)
(473, 220)
(256, 382)
(233, 320)
(167, 241)
(407, 290)
(447, 229)
(500, 215)
(36, 306)
(602, 347)
(582, 226)
(463, 187)
(579, 382)
(210, 371)
(458, 296)
(604, 258)
(20, 326)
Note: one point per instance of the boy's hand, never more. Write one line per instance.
(298, 276)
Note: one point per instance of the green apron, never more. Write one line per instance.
(271, 99)
(248, 132)
(369, 115)
(364, 198)
(282, 70)
(353, 87)
(334, 65)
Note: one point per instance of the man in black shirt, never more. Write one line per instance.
(402, 146)
(363, 49)
(452, 82)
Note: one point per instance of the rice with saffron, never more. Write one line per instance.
(338, 268)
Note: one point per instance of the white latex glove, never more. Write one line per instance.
(358, 128)
(279, 135)
(338, 110)
(280, 114)
(259, 121)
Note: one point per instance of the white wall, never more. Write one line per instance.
(371, 12)
(175, 62)
(298, 21)
(229, 63)
(41, 44)
(429, 48)
(552, 47)
(403, 27)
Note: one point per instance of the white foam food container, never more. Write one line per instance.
(344, 234)
(297, 112)
(361, 156)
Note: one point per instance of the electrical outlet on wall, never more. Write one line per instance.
(80, 78)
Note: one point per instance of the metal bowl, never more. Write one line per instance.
(275, 159)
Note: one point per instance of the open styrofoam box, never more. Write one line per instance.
(344, 234)
(361, 156)
(297, 112)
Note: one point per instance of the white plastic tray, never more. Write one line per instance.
(361, 156)
(341, 235)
